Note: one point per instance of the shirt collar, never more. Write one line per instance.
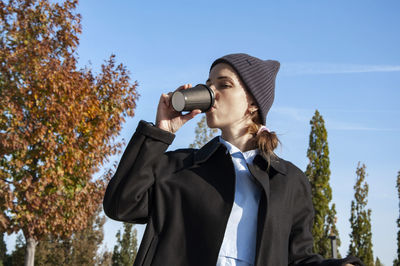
(213, 145)
(248, 155)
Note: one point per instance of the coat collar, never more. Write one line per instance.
(209, 148)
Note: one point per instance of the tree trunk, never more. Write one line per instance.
(31, 244)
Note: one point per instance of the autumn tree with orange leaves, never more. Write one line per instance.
(58, 123)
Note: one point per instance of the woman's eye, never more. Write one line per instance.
(225, 85)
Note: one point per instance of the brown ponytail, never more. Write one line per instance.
(265, 141)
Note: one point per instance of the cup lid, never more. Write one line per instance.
(178, 101)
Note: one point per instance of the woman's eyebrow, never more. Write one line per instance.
(220, 78)
(225, 77)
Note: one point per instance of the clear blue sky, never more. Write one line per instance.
(340, 57)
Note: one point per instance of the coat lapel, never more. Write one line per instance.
(259, 169)
(262, 177)
(207, 150)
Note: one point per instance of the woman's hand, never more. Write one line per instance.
(167, 118)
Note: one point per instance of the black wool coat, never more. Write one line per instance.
(185, 197)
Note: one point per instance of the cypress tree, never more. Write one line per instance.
(3, 249)
(126, 249)
(318, 173)
(17, 257)
(331, 221)
(104, 258)
(53, 251)
(203, 134)
(80, 249)
(360, 220)
(85, 243)
(378, 262)
(396, 262)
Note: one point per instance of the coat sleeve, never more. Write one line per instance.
(301, 239)
(128, 194)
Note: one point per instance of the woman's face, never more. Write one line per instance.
(233, 104)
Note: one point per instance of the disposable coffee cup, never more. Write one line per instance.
(198, 97)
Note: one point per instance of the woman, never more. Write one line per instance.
(232, 202)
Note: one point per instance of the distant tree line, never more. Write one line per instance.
(82, 248)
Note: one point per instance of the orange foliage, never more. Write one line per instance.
(57, 123)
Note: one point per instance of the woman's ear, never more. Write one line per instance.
(253, 108)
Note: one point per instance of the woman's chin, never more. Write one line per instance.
(211, 123)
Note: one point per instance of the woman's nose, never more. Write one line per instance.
(216, 93)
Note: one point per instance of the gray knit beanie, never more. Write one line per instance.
(257, 75)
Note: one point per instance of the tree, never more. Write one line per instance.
(360, 220)
(53, 250)
(58, 123)
(86, 243)
(80, 249)
(331, 221)
(17, 257)
(203, 134)
(318, 173)
(126, 249)
(378, 262)
(397, 260)
(3, 249)
(104, 258)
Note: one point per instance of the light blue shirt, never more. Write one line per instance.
(239, 245)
